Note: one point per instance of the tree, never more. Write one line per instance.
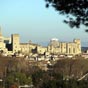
(71, 68)
(75, 10)
(37, 78)
(18, 64)
(13, 86)
(17, 78)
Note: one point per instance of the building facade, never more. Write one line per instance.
(57, 47)
(12, 45)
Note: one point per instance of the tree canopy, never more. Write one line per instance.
(75, 10)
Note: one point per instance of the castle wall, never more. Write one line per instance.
(24, 48)
(63, 48)
(27, 47)
(54, 47)
(66, 48)
(41, 50)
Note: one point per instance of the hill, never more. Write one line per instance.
(84, 49)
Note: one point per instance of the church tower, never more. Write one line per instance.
(2, 44)
(1, 37)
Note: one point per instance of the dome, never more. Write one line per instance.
(54, 39)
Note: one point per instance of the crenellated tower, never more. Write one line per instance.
(15, 42)
(78, 45)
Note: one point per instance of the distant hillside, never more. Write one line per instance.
(84, 48)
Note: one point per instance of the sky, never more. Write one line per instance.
(33, 21)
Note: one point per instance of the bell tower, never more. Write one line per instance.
(1, 37)
(2, 44)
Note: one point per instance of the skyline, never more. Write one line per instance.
(33, 21)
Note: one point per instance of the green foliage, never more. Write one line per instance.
(37, 77)
(62, 75)
(58, 76)
(10, 79)
(50, 84)
(76, 11)
(18, 78)
(71, 68)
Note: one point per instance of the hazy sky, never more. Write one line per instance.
(34, 22)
